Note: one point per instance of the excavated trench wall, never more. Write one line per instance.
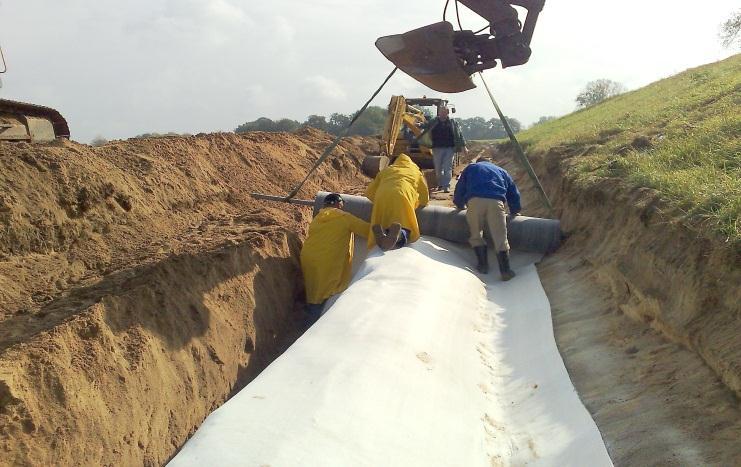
(141, 286)
(675, 278)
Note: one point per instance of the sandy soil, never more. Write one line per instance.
(646, 317)
(655, 401)
(140, 285)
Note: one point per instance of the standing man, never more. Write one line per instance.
(396, 192)
(447, 140)
(326, 257)
(484, 187)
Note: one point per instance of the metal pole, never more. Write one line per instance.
(518, 149)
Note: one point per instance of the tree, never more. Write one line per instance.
(337, 123)
(98, 141)
(371, 122)
(286, 124)
(544, 118)
(514, 124)
(261, 124)
(475, 128)
(729, 31)
(597, 91)
(266, 124)
(478, 128)
(317, 121)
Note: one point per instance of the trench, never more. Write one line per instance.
(656, 367)
(134, 373)
(117, 359)
(123, 370)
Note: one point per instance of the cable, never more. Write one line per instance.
(445, 9)
(5, 67)
(458, 16)
(336, 141)
(480, 30)
(518, 149)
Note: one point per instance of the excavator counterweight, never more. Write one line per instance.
(20, 121)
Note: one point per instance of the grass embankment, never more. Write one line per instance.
(680, 136)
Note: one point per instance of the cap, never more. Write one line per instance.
(332, 198)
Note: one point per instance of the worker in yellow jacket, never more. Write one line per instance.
(326, 257)
(396, 192)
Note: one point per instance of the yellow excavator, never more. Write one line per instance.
(404, 130)
(20, 121)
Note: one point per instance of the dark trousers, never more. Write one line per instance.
(313, 312)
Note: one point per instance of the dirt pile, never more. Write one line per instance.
(140, 285)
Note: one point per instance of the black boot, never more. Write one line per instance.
(482, 259)
(504, 269)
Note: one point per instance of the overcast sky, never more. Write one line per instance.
(122, 68)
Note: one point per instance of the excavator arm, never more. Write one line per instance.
(444, 59)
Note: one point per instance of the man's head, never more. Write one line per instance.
(484, 158)
(442, 113)
(333, 200)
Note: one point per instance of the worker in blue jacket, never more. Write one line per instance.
(484, 187)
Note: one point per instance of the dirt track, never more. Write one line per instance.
(140, 285)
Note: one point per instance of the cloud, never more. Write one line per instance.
(202, 65)
(223, 10)
(326, 87)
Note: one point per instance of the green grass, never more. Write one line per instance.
(693, 123)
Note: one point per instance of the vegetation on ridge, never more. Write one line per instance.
(680, 136)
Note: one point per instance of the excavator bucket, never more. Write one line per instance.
(20, 121)
(427, 55)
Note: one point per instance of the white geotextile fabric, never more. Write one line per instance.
(418, 363)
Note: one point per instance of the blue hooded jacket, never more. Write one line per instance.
(486, 180)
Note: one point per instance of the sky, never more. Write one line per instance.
(117, 69)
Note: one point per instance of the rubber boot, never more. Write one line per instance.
(379, 235)
(482, 259)
(392, 236)
(386, 240)
(504, 269)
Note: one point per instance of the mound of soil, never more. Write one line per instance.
(140, 285)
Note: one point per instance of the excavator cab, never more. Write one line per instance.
(444, 60)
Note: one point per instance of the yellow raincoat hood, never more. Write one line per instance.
(326, 257)
(396, 192)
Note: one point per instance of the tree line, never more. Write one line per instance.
(372, 122)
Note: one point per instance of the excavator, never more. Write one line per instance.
(20, 121)
(444, 59)
(403, 132)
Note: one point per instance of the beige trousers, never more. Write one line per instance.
(487, 212)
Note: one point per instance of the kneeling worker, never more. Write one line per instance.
(326, 257)
(484, 187)
(396, 192)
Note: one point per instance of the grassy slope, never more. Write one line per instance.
(680, 135)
